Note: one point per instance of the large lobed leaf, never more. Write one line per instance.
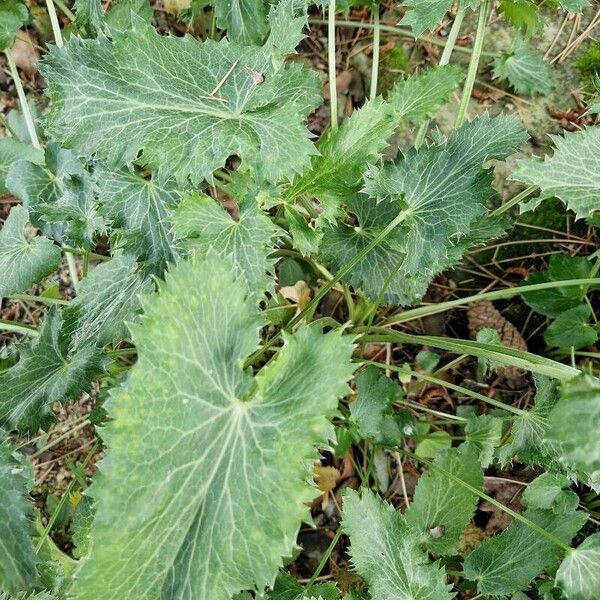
(578, 574)
(570, 174)
(13, 15)
(508, 562)
(106, 299)
(13, 149)
(137, 209)
(527, 72)
(17, 556)
(217, 482)
(46, 373)
(23, 261)
(443, 189)
(345, 152)
(442, 508)
(426, 14)
(245, 242)
(244, 20)
(186, 105)
(574, 424)
(385, 552)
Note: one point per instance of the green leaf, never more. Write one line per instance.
(345, 152)
(441, 509)
(420, 96)
(60, 192)
(572, 328)
(433, 444)
(186, 122)
(379, 274)
(526, 72)
(555, 301)
(254, 437)
(12, 150)
(528, 432)
(574, 424)
(244, 243)
(385, 552)
(522, 14)
(573, 5)
(81, 526)
(569, 174)
(137, 210)
(89, 15)
(13, 15)
(288, 588)
(46, 373)
(551, 492)
(245, 20)
(24, 260)
(578, 574)
(106, 300)
(372, 409)
(484, 432)
(425, 14)
(24, 596)
(444, 188)
(17, 556)
(122, 14)
(508, 562)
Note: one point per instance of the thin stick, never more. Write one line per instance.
(65, 10)
(325, 557)
(514, 200)
(224, 79)
(444, 60)
(422, 311)
(331, 64)
(58, 40)
(22, 100)
(473, 64)
(399, 31)
(72, 269)
(376, 43)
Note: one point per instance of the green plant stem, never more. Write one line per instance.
(39, 299)
(324, 559)
(437, 413)
(515, 515)
(514, 201)
(18, 328)
(63, 499)
(72, 269)
(58, 40)
(314, 303)
(473, 64)
(425, 311)
(14, 73)
(516, 358)
(444, 60)
(376, 43)
(401, 32)
(65, 10)
(332, 64)
(452, 36)
(450, 386)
